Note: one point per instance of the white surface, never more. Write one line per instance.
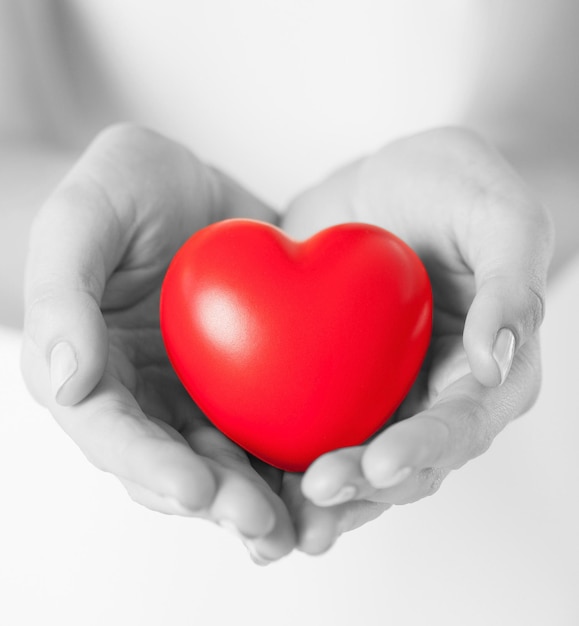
(497, 545)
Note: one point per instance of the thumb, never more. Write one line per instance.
(77, 241)
(65, 346)
(510, 249)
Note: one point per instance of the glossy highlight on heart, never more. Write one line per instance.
(293, 349)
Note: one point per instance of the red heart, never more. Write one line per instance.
(293, 349)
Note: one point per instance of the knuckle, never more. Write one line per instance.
(522, 302)
(529, 302)
(430, 480)
(527, 368)
(473, 424)
(482, 423)
(536, 307)
(473, 429)
(54, 311)
(526, 304)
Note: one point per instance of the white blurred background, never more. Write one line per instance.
(278, 94)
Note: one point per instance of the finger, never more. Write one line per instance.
(353, 515)
(508, 243)
(460, 425)
(114, 434)
(241, 503)
(316, 527)
(99, 242)
(76, 241)
(320, 527)
(413, 487)
(335, 477)
(245, 506)
(279, 542)
(69, 260)
(338, 478)
(244, 503)
(403, 453)
(64, 348)
(167, 505)
(448, 430)
(340, 473)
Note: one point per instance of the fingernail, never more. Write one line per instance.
(256, 557)
(178, 507)
(504, 351)
(63, 365)
(394, 479)
(259, 561)
(345, 494)
(231, 528)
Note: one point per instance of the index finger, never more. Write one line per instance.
(117, 437)
(460, 426)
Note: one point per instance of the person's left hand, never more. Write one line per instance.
(486, 245)
(93, 353)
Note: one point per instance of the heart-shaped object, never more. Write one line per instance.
(293, 349)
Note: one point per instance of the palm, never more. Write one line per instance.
(456, 204)
(137, 358)
(446, 359)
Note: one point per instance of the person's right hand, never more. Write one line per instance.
(486, 244)
(93, 352)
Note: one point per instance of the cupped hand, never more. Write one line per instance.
(486, 245)
(93, 352)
